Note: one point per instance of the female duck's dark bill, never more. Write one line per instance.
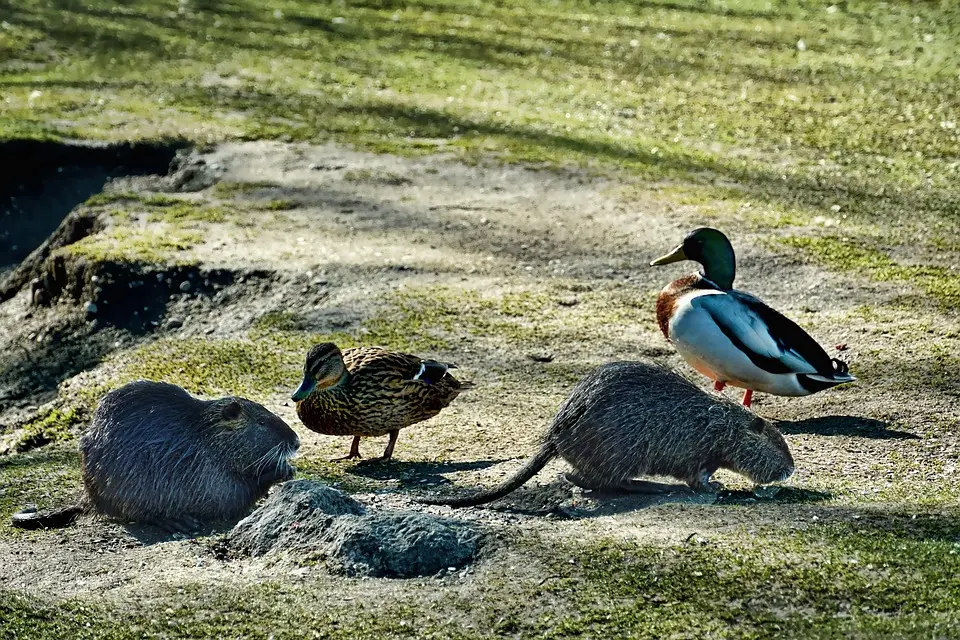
(677, 255)
(304, 389)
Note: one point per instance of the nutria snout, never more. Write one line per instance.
(155, 454)
(630, 419)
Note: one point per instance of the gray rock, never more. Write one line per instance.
(292, 517)
(185, 286)
(311, 521)
(400, 544)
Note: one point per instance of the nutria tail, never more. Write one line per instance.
(30, 518)
(546, 453)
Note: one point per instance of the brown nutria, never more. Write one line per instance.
(155, 454)
(629, 419)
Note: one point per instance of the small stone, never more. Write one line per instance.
(91, 307)
(540, 357)
(173, 323)
(185, 286)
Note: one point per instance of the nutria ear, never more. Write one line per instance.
(232, 410)
(758, 424)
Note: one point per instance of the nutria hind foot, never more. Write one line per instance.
(185, 525)
(626, 486)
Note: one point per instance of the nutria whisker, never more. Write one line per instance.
(262, 460)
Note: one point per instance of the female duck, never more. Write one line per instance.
(733, 337)
(368, 391)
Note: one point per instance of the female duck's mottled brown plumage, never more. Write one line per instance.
(369, 391)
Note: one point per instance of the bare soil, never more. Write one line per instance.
(358, 228)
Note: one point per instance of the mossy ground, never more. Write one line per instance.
(823, 135)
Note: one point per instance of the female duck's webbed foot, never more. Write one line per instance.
(748, 398)
(388, 452)
(718, 386)
(354, 451)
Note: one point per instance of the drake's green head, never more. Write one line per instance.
(323, 368)
(711, 249)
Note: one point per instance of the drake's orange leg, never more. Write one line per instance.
(718, 386)
(747, 397)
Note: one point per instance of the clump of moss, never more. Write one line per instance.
(279, 205)
(371, 176)
(122, 243)
(180, 211)
(54, 425)
(109, 197)
(233, 189)
(280, 321)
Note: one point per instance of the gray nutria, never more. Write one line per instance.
(155, 454)
(629, 419)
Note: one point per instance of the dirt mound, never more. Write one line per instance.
(312, 521)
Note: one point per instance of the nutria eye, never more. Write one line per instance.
(261, 422)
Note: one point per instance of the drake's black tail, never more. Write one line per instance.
(530, 469)
(30, 518)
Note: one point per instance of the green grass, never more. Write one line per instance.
(864, 117)
(858, 574)
(833, 580)
(849, 254)
(859, 125)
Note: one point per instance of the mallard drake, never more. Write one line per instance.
(369, 391)
(732, 337)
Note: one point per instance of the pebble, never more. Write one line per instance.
(91, 307)
(185, 286)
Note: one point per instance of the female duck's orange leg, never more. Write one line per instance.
(747, 397)
(718, 386)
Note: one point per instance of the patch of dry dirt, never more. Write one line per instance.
(355, 228)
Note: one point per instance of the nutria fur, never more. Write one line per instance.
(629, 419)
(155, 454)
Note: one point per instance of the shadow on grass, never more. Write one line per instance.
(845, 426)
(414, 474)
